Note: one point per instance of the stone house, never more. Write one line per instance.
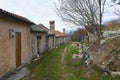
(54, 38)
(14, 41)
(38, 40)
(51, 35)
(51, 41)
(60, 38)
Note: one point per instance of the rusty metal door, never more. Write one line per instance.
(18, 48)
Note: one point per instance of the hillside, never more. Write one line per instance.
(107, 52)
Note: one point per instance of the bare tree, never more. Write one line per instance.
(87, 13)
(117, 2)
(117, 12)
(79, 34)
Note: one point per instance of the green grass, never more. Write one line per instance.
(110, 78)
(73, 66)
(79, 71)
(49, 67)
(73, 50)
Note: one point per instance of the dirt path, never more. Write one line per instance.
(63, 56)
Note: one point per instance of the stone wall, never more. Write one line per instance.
(107, 34)
(57, 42)
(34, 51)
(91, 37)
(51, 42)
(43, 42)
(65, 39)
(38, 43)
(60, 40)
(7, 44)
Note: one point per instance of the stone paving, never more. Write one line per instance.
(16, 75)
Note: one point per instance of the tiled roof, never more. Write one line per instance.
(43, 27)
(59, 34)
(37, 28)
(14, 16)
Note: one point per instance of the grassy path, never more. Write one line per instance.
(63, 56)
(58, 64)
(49, 67)
(55, 65)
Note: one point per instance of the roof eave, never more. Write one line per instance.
(14, 16)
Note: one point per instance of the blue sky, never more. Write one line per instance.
(42, 11)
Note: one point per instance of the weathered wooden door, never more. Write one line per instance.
(18, 48)
(38, 44)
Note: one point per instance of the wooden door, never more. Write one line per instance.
(18, 48)
(38, 44)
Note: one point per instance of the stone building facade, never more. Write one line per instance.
(38, 40)
(22, 40)
(60, 38)
(14, 41)
(50, 34)
(51, 41)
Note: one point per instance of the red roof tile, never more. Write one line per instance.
(59, 34)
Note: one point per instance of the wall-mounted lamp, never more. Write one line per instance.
(11, 33)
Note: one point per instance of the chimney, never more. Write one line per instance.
(52, 25)
(64, 30)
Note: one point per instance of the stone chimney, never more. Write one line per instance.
(64, 30)
(52, 26)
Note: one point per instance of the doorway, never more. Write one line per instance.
(18, 48)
